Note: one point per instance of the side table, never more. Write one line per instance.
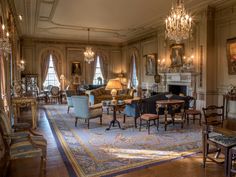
(115, 107)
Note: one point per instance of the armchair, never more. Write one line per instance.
(21, 145)
(83, 111)
(69, 93)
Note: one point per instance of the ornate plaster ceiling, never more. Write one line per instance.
(109, 20)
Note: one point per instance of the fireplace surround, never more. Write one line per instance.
(178, 83)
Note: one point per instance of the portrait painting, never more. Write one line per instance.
(151, 64)
(231, 56)
(76, 68)
(176, 55)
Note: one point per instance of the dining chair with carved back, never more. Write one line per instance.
(144, 115)
(192, 112)
(213, 140)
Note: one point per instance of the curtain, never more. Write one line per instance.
(3, 82)
(103, 68)
(44, 67)
(134, 57)
(131, 71)
(93, 68)
(56, 66)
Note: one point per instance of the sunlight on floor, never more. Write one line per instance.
(141, 154)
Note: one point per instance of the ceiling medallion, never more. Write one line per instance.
(88, 53)
(178, 23)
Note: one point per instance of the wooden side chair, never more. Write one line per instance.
(147, 117)
(54, 94)
(192, 112)
(231, 159)
(214, 116)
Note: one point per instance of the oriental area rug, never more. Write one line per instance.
(97, 152)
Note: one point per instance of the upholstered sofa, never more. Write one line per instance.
(149, 106)
(100, 94)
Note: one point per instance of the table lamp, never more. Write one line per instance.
(114, 85)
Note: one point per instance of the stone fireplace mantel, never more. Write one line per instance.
(179, 79)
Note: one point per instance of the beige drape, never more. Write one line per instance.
(103, 67)
(93, 68)
(56, 65)
(133, 57)
(3, 82)
(44, 67)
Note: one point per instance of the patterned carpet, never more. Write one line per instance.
(96, 152)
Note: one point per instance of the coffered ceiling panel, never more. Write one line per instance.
(109, 20)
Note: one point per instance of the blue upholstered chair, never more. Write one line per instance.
(131, 110)
(21, 145)
(83, 111)
(69, 93)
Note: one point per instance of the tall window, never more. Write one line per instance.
(98, 77)
(134, 79)
(51, 78)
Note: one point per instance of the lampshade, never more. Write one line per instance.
(114, 84)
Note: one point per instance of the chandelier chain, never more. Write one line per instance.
(88, 53)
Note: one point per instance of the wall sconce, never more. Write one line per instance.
(162, 64)
(21, 65)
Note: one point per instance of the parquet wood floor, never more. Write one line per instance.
(188, 167)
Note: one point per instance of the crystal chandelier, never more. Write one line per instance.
(88, 53)
(5, 45)
(178, 23)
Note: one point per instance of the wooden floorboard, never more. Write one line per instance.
(188, 167)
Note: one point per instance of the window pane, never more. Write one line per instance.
(51, 78)
(98, 73)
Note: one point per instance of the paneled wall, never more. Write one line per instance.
(225, 28)
(212, 27)
(32, 50)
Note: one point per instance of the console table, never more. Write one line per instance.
(18, 101)
(226, 99)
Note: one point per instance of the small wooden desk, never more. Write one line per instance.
(17, 101)
(165, 104)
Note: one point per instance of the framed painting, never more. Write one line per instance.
(151, 64)
(76, 68)
(231, 56)
(176, 55)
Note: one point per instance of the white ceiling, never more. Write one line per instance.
(109, 20)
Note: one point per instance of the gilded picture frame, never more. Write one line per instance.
(151, 64)
(231, 55)
(76, 68)
(176, 55)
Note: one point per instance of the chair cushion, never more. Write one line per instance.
(193, 111)
(95, 113)
(224, 140)
(21, 126)
(149, 116)
(38, 140)
(24, 150)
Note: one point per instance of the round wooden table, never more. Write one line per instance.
(115, 107)
(166, 104)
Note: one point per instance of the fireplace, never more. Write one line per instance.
(177, 89)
